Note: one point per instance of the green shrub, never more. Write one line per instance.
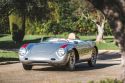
(4, 25)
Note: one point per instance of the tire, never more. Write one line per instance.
(27, 67)
(72, 61)
(92, 60)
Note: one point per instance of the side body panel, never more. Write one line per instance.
(84, 49)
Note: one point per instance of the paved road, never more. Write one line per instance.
(108, 66)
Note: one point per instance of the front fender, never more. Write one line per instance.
(73, 47)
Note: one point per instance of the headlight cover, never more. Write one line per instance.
(22, 51)
(61, 52)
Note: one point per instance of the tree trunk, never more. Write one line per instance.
(17, 27)
(123, 66)
(100, 29)
(114, 11)
(99, 37)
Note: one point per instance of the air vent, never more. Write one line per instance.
(53, 59)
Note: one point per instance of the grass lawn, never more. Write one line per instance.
(7, 43)
(8, 56)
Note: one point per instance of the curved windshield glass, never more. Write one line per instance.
(56, 40)
(75, 41)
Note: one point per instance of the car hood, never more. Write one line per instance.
(45, 47)
(44, 50)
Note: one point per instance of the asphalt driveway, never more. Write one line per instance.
(108, 66)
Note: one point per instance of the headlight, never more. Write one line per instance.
(61, 52)
(22, 51)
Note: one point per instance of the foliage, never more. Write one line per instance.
(54, 11)
(4, 25)
(64, 17)
(36, 27)
(108, 30)
(52, 16)
(4, 21)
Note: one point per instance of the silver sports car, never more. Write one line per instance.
(58, 52)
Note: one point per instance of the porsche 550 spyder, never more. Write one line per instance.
(58, 52)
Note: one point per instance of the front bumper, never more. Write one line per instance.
(45, 61)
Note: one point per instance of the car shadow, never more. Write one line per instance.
(108, 55)
(84, 66)
(80, 67)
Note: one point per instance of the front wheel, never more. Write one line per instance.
(72, 61)
(92, 60)
(27, 67)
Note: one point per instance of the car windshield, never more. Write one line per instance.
(76, 41)
(56, 40)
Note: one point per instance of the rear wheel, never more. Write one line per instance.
(27, 67)
(92, 61)
(72, 61)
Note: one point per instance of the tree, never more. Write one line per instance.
(17, 19)
(99, 20)
(114, 10)
(86, 10)
(4, 21)
(19, 10)
(16, 12)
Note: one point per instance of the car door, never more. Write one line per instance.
(84, 50)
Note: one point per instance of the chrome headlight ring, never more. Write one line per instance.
(61, 52)
(23, 51)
